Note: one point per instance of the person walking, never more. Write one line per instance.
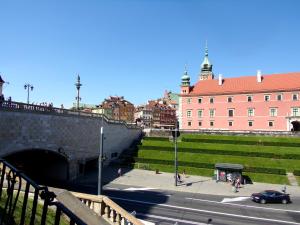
(120, 172)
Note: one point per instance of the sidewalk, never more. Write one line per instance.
(195, 184)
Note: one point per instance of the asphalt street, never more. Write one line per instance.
(170, 207)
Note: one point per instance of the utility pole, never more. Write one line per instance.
(28, 87)
(174, 134)
(100, 159)
(78, 85)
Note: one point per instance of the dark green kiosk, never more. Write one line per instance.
(228, 172)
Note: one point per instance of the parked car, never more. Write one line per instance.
(270, 196)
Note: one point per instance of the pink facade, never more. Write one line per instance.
(260, 102)
(238, 114)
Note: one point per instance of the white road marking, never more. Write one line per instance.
(112, 188)
(237, 199)
(138, 189)
(206, 211)
(171, 219)
(246, 206)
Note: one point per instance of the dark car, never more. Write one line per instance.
(270, 196)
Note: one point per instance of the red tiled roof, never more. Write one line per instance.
(248, 84)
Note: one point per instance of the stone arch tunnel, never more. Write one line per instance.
(59, 143)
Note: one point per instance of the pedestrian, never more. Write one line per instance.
(284, 189)
(179, 178)
(120, 172)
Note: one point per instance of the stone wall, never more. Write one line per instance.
(75, 137)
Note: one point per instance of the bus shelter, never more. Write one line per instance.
(228, 172)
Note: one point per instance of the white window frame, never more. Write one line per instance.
(295, 111)
(189, 100)
(201, 99)
(250, 121)
(198, 113)
(211, 100)
(230, 97)
(275, 112)
(269, 98)
(281, 97)
(249, 97)
(231, 123)
(250, 114)
(212, 113)
(189, 113)
(297, 96)
(211, 123)
(232, 112)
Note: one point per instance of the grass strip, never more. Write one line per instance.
(222, 152)
(209, 165)
(241, 142)
(265, 178)
(286, 164)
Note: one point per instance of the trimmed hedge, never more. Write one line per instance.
(223, 152)
(240, 142)
(210, 166)
(156, 138)
(296, 172)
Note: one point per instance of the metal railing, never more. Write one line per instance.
(108, 209)
(19, 106)
(25, 202)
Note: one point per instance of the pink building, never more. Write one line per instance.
(260, 102)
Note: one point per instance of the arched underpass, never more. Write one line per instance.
(42, 166)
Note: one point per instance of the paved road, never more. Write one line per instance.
(169, 207)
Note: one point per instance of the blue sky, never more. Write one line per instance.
(138, 48)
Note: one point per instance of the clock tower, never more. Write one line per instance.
(206, 68)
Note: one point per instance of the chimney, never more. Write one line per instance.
(258, 76)
(220, 79)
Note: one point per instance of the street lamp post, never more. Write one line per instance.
(100, 159)
(175, 145)
(28, 87)
(78, 85)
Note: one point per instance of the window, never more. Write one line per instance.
(250, 112)
(230, 112)
(279, 97)
(189, 123)
(229, 99)
(273, 111)
(250, 123)
(267, 98)
(200, 113)
(200, 123)
(211, 100)
(295, 97)
(189, 100)
(199, 100)
(211, 113)
(211, 123)
(249, 98)
(271, 124)
(189, 113)
(230, 123)
(295, 112)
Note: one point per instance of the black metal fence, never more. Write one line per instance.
(18, 106)
(22, 201)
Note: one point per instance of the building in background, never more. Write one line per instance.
(156, 114)
(249, 103)
(121, 109)
(107, 112)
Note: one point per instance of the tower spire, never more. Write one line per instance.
(206, 67)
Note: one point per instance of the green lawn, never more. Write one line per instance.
(288, 164)
(229, 147)
(266, 178)
(244, 138)
(17, 214)
(162, 149)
